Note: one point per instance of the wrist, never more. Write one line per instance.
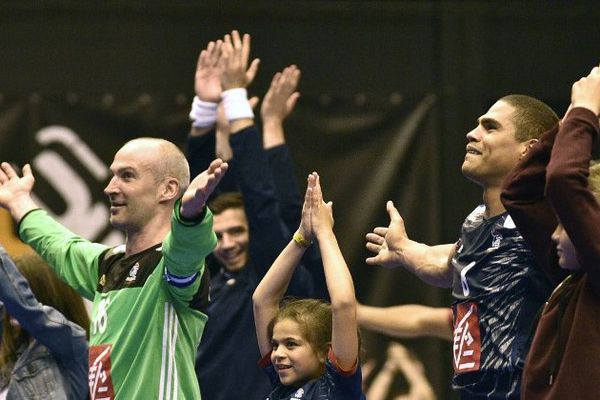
(203, 113)
(301, 240)
(19, 207)
(589, 106)
(236, 104)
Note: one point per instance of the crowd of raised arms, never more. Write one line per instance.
(231, 284)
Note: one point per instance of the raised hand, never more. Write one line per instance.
(586, 92)
(282, 95)
(278, 104)
(15, 190)
(388, 242)
(321, 212)
(207, 80)
(201, 188)
(305, 228)
(235, 52)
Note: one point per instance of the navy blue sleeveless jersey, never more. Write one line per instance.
(498, 292)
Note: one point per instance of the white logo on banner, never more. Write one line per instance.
(83, 215)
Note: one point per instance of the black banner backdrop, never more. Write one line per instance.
(366, 150)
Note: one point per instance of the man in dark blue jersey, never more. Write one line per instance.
(495, 283)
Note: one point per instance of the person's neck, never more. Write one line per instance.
(491, 199)
(150, 235)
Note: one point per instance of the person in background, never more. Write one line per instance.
(257, 203)
(553, 195)
(401, 362)
(45, 329)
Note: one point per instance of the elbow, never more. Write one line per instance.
(344, 305)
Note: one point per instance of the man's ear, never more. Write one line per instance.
(528, 144)
(169, 190)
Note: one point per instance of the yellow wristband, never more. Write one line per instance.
(299, 239)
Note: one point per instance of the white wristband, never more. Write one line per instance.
(203, 113)
(236, 104)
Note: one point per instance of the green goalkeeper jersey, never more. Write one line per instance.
(147, 316)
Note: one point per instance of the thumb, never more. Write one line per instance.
(251, 72)
(392, 211)
(253, 101)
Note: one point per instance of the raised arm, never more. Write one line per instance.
(270, 291)
(15, 191)
(277, 105)
(400, 362)
(236, 75)
(524, 197)
(393, 248)
(567, 185)
(65, 340)
(407, 320)
(344, 335)
(194, 199)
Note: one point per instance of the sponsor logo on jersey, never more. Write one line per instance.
(467, 339)
(99, 375)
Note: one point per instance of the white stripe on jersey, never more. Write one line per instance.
(168, 387)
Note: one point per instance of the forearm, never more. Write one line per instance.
(431, 264)
(272, 287)
(200, 151)
(344, 337)
(407, 321)
(524, 197)
(338, 277)
(273, 134)
(188, 243)
(270, 291)
(569, 191)
(380, 386)
(20, 206)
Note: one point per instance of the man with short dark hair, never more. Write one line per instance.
(496, 287)
(252, 225)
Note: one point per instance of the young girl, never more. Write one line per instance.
(44, 348)
(555, 179)
(310, 348)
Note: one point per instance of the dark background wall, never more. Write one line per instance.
(363, 53)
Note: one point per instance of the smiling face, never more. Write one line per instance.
(231, 228)
(133, 191)
(293, 357)
(492, 148)
(567, 255)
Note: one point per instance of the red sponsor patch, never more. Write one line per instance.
(467, 339)
(99, 376)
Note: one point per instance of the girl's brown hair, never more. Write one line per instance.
(313, 317)
(48, 290)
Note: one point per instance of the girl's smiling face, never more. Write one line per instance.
(293, 357)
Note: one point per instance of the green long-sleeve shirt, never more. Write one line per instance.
(147, 316)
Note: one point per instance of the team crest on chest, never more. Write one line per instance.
(133, 273)
(299, 393)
